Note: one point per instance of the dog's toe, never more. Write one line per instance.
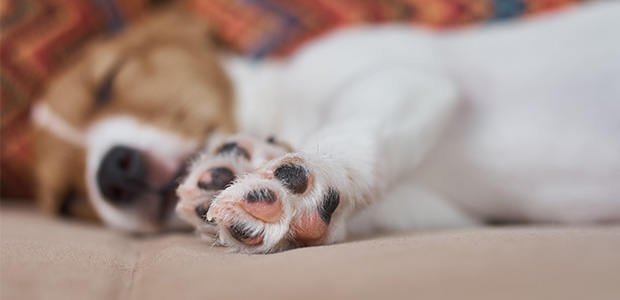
(263, 204)
(216, 179)
(293, 177)
(233, 148)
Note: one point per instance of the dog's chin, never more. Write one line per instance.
(150, 212)
(156, 208)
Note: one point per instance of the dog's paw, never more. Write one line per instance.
(287, 203)
(214, 170)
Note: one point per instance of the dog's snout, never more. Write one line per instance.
(122, 175)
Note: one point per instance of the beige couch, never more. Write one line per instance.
(59, 259)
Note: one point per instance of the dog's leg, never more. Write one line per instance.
(376, 129)
(409, 206)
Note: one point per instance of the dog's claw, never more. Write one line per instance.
(210, 215)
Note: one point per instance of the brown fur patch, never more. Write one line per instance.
(168, 76)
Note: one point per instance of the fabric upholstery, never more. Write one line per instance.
(57, 259)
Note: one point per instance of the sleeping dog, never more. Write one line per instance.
(375, 128)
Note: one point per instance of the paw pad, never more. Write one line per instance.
(263, 204)
(242, 234)
(263, 195)
(216, 179)
(330, 203)
(233, 148)
(293, 177)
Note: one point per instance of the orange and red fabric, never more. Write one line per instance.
(36, 38)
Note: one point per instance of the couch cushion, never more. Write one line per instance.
(58, 259)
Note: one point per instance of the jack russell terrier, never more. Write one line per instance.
(366, 129)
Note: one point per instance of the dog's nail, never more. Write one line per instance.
(201, 211)
(330, 203)
(210, 215)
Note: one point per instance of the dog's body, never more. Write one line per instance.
(392, 128)
(533, 132)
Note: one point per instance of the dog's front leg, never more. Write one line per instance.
(374, 130)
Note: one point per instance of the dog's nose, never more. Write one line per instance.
(122, 175)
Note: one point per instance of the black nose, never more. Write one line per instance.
(122, 175)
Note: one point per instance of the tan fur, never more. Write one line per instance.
(167, 75)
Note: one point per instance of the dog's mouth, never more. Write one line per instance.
(160, 200)
(167, 193)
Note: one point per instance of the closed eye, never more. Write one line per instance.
(105, 89)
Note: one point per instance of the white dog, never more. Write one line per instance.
(394, 128)
(376, 128)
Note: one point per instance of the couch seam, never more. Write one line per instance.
(126, 294)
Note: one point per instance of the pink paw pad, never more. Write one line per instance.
(216, 179)
(263, 204)
(311, 227)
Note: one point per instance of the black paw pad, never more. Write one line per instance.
(263, 195)
(201, 211)
(240, 232)
(330, 203)
(220, 178)
(233, 148)
(293, 177)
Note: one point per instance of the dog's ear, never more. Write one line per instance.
(59, 177)
(58, 144)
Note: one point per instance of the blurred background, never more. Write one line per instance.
(39, 37)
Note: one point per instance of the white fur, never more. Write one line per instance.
(371, 116)
(534, 137)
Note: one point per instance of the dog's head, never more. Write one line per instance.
(118, 126)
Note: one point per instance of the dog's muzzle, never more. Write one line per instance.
(131, 181)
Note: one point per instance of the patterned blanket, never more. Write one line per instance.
(38, 36)
(260, 28)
